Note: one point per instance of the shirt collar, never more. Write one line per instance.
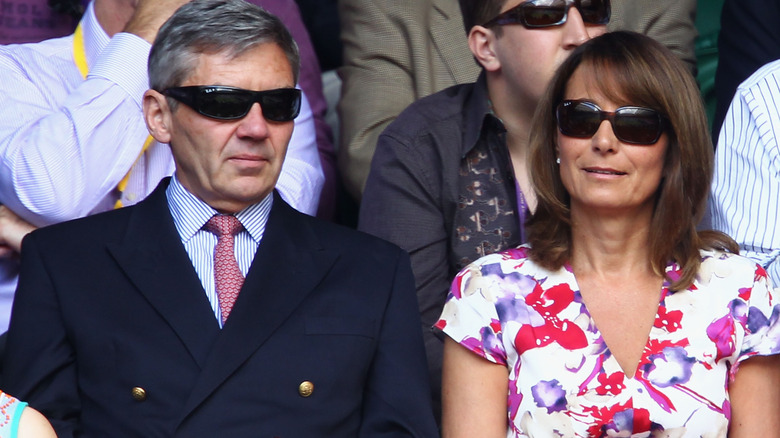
(190, 213)
(95, 38)
(479, 116)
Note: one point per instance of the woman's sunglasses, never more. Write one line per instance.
(229, 103)
(545, 13)
(630, 124)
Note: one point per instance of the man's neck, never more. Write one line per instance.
(515, 115)
(113, 15)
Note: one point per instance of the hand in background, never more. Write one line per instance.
(150, 15)
(12, 230)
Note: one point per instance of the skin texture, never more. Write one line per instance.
(229, 164)
(33, 424)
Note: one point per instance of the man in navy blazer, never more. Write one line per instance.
(119, 326)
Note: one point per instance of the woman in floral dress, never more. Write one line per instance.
(618, 319)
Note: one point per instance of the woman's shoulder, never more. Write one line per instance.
(512, 263)
(725, 267)
(728, 259)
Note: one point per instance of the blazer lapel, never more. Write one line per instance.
(154, 259)
(288, 265)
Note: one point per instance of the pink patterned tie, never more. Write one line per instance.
(227, 275)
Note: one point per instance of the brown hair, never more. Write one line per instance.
(638, 70)
(478, 12)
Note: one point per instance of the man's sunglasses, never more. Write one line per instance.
(545, 13)
(229, 103)
(630, 124)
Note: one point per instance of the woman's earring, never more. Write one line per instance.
(558, 160)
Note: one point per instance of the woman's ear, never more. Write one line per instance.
(157, 115)
(482, 44)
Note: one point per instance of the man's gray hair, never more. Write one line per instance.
(199, 27)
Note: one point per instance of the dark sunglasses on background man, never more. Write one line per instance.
(630, 124)
(545, 13)
(229, 103)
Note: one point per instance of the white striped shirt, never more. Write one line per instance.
(190, 215)
(745, 195)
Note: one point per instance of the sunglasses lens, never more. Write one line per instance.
(594, 11)
(281, 105)
(227, 103)
(224, 104)
(578, 119)
(637, 125)
(543, 13)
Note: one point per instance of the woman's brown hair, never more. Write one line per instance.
(635, 69)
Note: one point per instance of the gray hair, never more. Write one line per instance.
(210, 27)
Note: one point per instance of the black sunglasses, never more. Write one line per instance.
(545, 13)
(229, 103)
(630, 124)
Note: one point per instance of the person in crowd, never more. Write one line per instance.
(448, 183)
(744, 197)
(212, 308)
(749, 38)
(72, 136)
(618, 318)
(398, 51)
(28, 21)
(17, 420)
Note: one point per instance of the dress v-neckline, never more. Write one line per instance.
(607, 353)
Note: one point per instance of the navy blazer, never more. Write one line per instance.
(112, 335)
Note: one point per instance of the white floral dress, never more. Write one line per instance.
(563, 380)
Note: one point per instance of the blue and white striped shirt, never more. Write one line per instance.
(745, 195)
(190, 214)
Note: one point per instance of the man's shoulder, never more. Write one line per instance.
(91, 227)
(768, 72)
(428, 113)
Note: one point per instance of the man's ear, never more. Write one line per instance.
(157, 115)
(481, 43)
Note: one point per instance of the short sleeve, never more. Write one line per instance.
(758, 318)
(762, 328)
(470, 316)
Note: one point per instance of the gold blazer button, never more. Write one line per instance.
(305, 388)
(139, 394)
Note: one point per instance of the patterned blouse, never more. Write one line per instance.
(10, 413)
(563, 380)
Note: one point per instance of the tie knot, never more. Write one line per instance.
(224, 225)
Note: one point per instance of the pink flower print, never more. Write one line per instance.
(612, 384)
(722, 333)
(612, 420)
(669, 321)
(549, 303)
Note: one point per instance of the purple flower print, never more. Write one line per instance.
(550, 395)
(671, 367)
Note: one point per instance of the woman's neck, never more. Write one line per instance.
(613, 245)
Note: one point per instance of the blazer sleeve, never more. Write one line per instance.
(38, 363)
(397, 399)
